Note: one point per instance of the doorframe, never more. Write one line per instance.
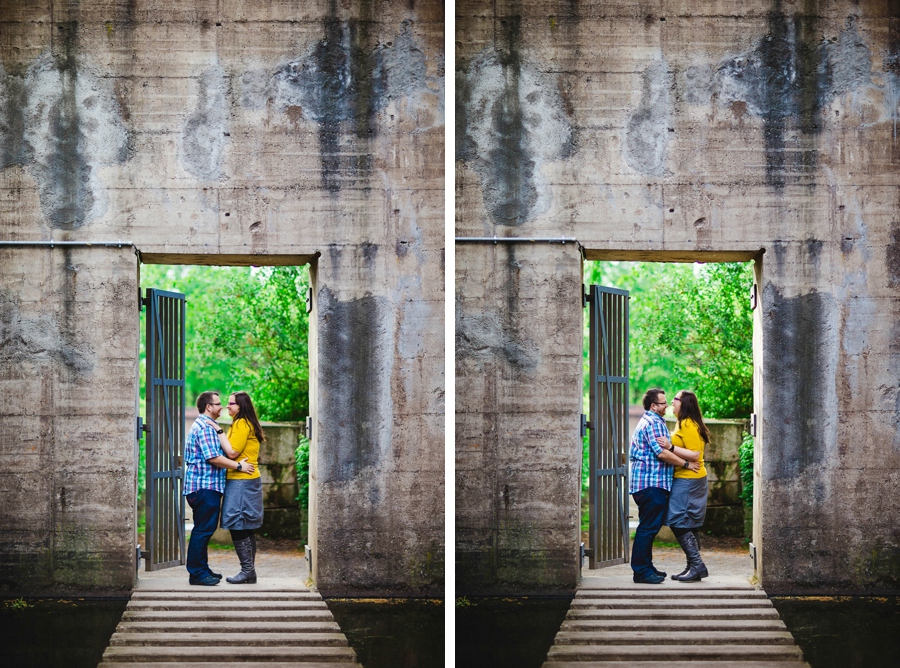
(707, 257)
(242, 260)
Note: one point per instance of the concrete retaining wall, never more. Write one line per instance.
(681, 132)
(217, 133)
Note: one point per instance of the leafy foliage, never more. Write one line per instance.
(690, 328)
(301, 458)
(246, 330)
(745, 454)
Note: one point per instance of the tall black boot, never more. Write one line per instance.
(677, 576)
(697, 570)
(244, 549)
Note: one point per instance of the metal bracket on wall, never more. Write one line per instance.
(753, 555)
(309, 300)
(308, 428)
(753, 297)
(753, 424)
(585, 425)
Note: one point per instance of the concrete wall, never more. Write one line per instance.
(682, 131)
(217, 133)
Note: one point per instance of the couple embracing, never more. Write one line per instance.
(668, 483)
(216, 465)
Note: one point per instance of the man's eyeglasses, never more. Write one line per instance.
(660, 403)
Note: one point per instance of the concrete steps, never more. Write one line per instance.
(227, 628)
(610, 624)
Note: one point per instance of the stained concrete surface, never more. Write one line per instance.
(211, 133)
(774, 139)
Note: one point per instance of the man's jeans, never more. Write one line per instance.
(652, 505)
(205, 503)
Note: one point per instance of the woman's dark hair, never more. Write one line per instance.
(205, 399)
(248, 413)
(690, 410)
(651, 397)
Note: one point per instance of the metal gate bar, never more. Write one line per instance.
(165, 403)
(608, 493)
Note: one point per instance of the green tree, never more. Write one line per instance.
(246, 330)
(690, 328)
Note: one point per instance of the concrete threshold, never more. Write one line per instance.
(273, 624)
(612, 622)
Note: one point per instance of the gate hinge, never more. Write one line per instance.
(309, 300)
(754, 299)
(585, 425)
(753, 424)
(585, 296)
(307, 429)
(140, 428)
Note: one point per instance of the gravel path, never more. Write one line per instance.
(274, 559)
(727, 558)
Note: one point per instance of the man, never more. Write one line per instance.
(207, 454)
(652, 467)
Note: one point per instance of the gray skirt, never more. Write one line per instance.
(687, 503)
(243, 507)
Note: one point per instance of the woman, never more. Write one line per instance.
(242, 509)
(687, 502)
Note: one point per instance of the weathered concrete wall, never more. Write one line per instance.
(686, 131)
(210, 132)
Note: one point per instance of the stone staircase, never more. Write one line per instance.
(676, 625)
(180, 625)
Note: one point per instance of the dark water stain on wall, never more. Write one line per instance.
(646, 133)
(783, 79)
(516, 193)
(62, 121)
(892, 256)
(342, 83)
(204, 135)
(511, 118)
(12, 120)
(356, 345)
(40, 337)
(484, 337)
(795, 358)
(70, 173)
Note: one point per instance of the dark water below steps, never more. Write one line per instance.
(73, 633)
(832, 632)
(57, 633)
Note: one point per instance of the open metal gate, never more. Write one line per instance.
(608, 427)
(164, 429)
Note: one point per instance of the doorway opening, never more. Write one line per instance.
(245, 328)
(689, 323)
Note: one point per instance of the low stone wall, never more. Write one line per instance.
(725, 510)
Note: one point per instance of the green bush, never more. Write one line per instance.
(746, 462)
(301, 458)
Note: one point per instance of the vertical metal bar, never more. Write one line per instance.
(593, 432)
(149, 492)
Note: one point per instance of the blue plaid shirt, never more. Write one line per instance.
(646, 469)
(203, 444)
